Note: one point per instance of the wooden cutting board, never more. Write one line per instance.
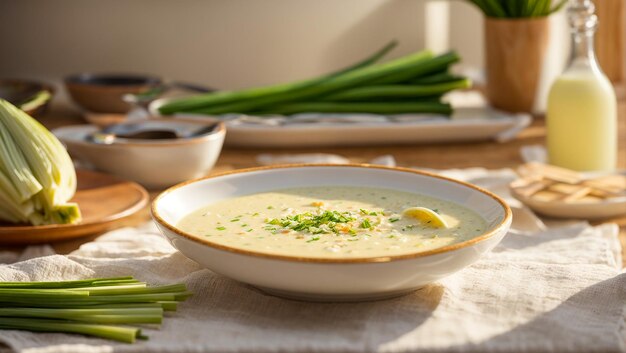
(104, 200)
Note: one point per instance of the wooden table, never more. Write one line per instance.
(440, 156)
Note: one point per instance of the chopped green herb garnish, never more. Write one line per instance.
(365, 224)
(369, 213)
(394, 219)
(313, 239)
(235, 220)
(249, 230)
(221, 228)
(255, 214)
(324, 222)
(270, 207)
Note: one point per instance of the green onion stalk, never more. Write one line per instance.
(227, 97)
(394, 71)
(410, 84)
(93, 307)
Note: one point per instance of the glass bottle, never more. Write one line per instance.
(581, 117)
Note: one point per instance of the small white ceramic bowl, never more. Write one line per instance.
(155, 164)
(327, 279)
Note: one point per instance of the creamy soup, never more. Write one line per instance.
(333, 222)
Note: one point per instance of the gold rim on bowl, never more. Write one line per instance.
(198, 239)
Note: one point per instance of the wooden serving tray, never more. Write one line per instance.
(104, 201)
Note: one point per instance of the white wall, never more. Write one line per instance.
(223, 43)
(229, 44)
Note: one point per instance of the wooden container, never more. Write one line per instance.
(515, 49)
(611, 42)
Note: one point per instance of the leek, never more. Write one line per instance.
(37, 177)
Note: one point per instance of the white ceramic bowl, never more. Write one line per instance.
(322, 278)
(155, 164)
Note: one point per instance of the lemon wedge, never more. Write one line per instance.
(426, 215)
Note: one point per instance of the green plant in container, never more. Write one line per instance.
(516, 39)
(518, 8)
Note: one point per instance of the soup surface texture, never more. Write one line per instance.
(332, 222)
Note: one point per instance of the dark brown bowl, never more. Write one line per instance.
(102, 93)
(19, 92)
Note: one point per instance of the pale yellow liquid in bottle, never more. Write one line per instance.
(582, 121)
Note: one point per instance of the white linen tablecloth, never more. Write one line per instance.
(559, 289)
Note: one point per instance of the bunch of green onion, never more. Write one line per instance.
(37, 177)
(410, 84)
(94, 307)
